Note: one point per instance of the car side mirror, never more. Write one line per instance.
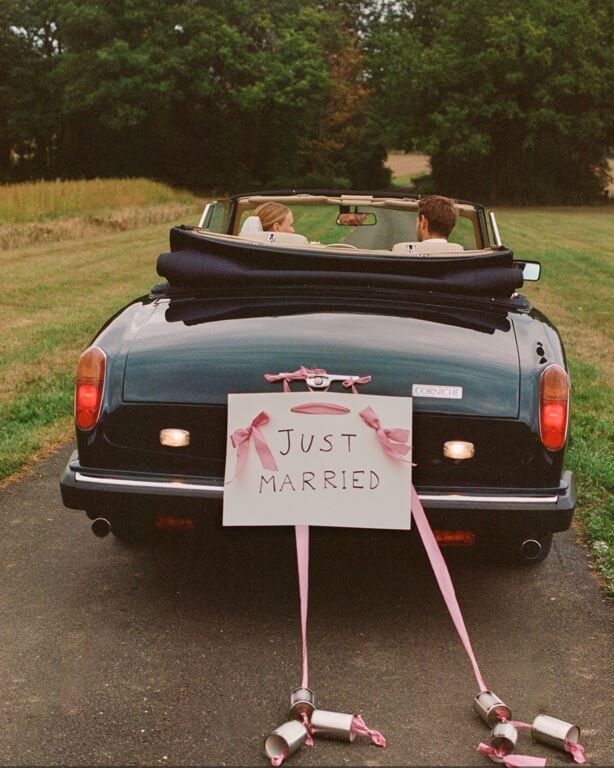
(531, 270)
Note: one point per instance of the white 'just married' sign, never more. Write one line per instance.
(318, 458)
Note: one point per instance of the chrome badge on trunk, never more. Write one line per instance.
(437, 390)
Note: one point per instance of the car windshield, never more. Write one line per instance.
(381, 228)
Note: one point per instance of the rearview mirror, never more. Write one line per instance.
(531, 271)
(356, 219)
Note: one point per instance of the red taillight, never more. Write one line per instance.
(554, 407)
(89, 386)
(169, 523)
(455, 538)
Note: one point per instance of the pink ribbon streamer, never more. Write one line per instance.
(360, 728)
(576, 751)
(513, 761)
(328, 409)
(310, 730)
(301, 533)
(517, 724)
(393, 441)
(240, 440)
(442, 575)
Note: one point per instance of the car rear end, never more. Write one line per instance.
(490, 412)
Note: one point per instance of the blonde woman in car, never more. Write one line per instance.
(275, 217)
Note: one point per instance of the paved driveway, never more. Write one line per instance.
(184, 652)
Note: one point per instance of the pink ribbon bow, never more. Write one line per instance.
(351, 382)
(513, 761)
(362, 729)
(240, 440)
(393, 441)
(301, 375)
(576, 751)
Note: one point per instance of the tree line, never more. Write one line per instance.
(513, 102)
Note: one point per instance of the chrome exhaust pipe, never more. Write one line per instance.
(101, 527)
(531, 549)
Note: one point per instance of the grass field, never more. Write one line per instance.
(575, 292)
(53, 211)
(94, 249)
(56, 295)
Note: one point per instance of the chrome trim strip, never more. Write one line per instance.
(495, 228)
(326, 379)
(489, 499)
(203, 219)
(219, 489)
(81, 478)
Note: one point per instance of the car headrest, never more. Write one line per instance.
(250, 225)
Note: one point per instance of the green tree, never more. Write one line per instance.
(29, 104)
(215, 93)
(346, 148)
(513, 102)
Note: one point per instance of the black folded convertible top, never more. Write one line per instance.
(199, 261)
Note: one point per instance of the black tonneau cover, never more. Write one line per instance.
(201, 261)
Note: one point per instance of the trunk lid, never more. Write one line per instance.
(196, 351)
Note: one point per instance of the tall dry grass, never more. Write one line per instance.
(75, 228)
(50, 211)
(48, 200)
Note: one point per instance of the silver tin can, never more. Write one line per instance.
(285, 740)
(554, 732)
(302, 701)
(503, 738)
(332, 725)
(490, 708)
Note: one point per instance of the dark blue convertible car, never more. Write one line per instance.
(350, 295)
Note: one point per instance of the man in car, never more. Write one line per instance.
(436, 218)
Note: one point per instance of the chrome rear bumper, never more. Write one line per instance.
(85, 488)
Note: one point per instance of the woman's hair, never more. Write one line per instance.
(271, 213)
